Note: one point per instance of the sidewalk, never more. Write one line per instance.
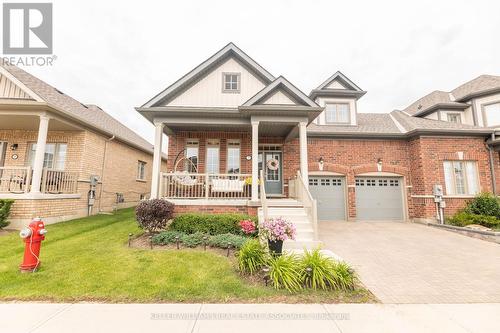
(230, 318)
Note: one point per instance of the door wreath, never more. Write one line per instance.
(273, 164)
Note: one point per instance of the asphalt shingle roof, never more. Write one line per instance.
(430, 100)
(90, 114)
(480, 84)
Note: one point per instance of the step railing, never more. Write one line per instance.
(263, 197)
(183, 185)
(303, 195)
(15, 179)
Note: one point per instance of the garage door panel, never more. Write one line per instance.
(329, 193)
(379, 198)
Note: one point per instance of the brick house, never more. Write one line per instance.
(78, 142)
(241, 139)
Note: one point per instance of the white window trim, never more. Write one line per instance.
(453, 188)
(238, 83)
(211, 143)
(234, 142)
(348, 121)
(455, 114)
(138, 177)
(56, 152)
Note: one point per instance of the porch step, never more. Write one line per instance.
(301, 244)
(283, 203)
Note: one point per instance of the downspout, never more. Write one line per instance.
(102, 169)
(492, 166)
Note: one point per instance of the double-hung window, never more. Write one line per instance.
(337, 113)
(191, 164)
(491, 113)
(212, 164)
(141, 170)
(233, 156)
(54, 157)
(461, 177)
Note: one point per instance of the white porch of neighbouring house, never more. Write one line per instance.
(18, 179)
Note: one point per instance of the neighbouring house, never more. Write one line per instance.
(242, 139)
(476, 102)
(58, 155)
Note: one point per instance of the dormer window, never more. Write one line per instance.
(337, 113)
(454, 117)
(231, 82)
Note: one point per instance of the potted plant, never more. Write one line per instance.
(277, 230)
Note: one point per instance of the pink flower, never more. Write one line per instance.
(247, 226)
(278, 229)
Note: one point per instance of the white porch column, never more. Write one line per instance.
(155, 180)
(303, 152)
(43, 129)
(255, 160)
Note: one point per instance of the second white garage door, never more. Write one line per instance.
(329, 192)
(379, 198)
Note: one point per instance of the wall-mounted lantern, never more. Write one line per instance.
(321, 163)
(379, 165)
(14, 146)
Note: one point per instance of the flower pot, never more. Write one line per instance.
(275, 247)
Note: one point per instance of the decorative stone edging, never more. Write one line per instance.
(490, 236)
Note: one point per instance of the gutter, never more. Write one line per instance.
(492, 165)
(102, 169)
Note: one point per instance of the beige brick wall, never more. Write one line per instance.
(89, 153)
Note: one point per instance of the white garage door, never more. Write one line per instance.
(329, 193)
(379, 198)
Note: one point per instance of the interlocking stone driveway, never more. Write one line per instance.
(413, 263)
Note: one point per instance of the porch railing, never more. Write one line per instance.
(205, 186)
(59, 182)
(15, 179)
(304, 196)
(263, 197)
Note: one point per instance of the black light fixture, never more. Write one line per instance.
(177, 239)
(129, 239)
(151, 242)
(265, 270)
(14, 146)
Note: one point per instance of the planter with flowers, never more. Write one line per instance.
(277, 230)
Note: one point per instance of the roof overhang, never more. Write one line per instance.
(336, 93)
(442, 106)
(282, 110)
(406, 135)
(479, 94)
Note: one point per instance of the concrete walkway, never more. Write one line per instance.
(414, 263)
(230, 318)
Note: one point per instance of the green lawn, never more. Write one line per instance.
(88, 260)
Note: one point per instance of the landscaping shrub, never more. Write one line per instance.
(167, 237)
(223, 240)
(213, 224)
(251, 256)
(484, 204)
(192, 240)
(345, 276)
(285, 272)
(462, 219)
(153, 215)
(5, 205)
(322, 274)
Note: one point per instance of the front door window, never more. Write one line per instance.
(271, 164)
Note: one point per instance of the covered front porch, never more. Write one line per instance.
(216, 160)
(37, 158)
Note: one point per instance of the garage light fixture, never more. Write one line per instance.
(379, 165)
(320, 163)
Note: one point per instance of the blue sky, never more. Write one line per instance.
(118, 54)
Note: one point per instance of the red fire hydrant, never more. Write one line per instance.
(33, 237)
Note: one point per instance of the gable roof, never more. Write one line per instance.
(230, 50)
(283, 84)
(91, 115)
(435, 100)
(478, 86)
(351, 89)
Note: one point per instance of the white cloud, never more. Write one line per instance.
(118, 54)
